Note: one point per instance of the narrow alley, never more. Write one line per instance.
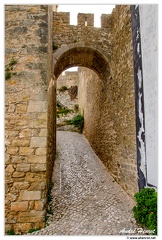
(86, 199)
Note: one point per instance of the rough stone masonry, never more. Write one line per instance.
(39, 45)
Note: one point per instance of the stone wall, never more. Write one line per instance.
(26, 41)
(109, 106)
(120, 144)
(69, 79)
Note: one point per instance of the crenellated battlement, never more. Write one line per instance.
(83, 19)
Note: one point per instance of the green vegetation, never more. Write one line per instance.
(76, 108)
(9, 69)
(49, 199)
(77, 121)
(63, 89)
(145, 212)
(33, 230)
(11, 232)
(62, 110)
(54, 47)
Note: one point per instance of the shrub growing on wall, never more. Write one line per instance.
(145, 212)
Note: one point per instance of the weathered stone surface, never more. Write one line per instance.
(24, 133)
(18, 174)
(33, 216)
(37, 106)
(9, 169)
(38, 142)
(22, 227)
(30, 195)
(35, 177)
(20, 143)
(19, 206)
(43, 133)
(23, 167)
(13, 150)
(26, 151)
(39, 206)
(41, 151)
(37, 186)
(37, 159)
(21, 108)
(38, 167)
(21, 185)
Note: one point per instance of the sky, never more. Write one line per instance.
(97, 9)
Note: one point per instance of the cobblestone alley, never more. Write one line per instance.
(86, 199)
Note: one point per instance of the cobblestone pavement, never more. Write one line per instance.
(86, 199)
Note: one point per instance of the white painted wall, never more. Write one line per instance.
(149, 44)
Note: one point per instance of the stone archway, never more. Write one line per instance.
(65, 57)
(80, 55)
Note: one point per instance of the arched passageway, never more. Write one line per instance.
(64, 58)
(69, 56)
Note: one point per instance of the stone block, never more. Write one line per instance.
(21, 185)
(37, 106)
(38, 123)
(36, 159)
(20, 143)
(10, 169)
(43, 132)
(26, 151)
(21, 108)
(38, 205)
(37, 186)
(32, 216)
(22, 227)
(41, 151)
(38, 142)
(23, 167)
(19, 206)
(31, 205)
(42, 116)
(12, 150)
(25, 133)
(18, 174)
(11, 107)
(38, 167)
(35, 177)
(30, 195)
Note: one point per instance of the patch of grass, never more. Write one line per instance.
(9, 68)
(145, 212)
(11, 232)
(61, 110)
(77, 121)
(13, 62)
(33, 230)
(7, 75)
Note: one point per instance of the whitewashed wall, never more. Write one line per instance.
(149, 45)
